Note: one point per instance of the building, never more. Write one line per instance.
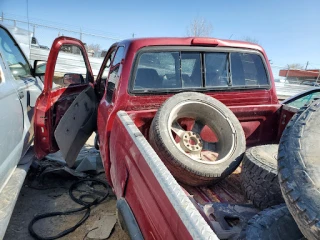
(310, 75)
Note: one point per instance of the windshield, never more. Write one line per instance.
(173, 70)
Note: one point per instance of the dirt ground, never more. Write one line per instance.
(51, 194)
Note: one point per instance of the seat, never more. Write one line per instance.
(147, 78)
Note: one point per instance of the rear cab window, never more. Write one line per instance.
(158, 70)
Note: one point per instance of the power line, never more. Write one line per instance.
(57, 24)
(59, 28)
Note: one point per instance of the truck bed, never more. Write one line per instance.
(153, 191)
(226, 191)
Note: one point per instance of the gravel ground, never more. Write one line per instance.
(52, 195)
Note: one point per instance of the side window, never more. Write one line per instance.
(113, 76)
(300, 102)
(107, 66)
(18, 64)
(247, 70)
(70, 68)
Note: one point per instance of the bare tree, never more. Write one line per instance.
(251, 40)
(295, 66)
(199, 27)
(95, 47)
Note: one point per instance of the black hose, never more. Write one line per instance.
(80, 200)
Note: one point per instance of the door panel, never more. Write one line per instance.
(27, 90)
(68, 83)
(11, 129)
(76, 125)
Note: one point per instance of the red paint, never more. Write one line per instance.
(256, 109)
(205, 42)
(155, 214)
(44, 123)
(126, 169)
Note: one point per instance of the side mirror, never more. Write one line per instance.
(73, 78)
(39, 67)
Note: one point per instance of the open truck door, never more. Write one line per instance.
(65, 114)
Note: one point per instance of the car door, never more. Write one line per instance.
(11, 123)
(26, 85)
(292, 105)
(65, 114)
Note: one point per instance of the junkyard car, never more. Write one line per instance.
(166, 186)
(19, 89)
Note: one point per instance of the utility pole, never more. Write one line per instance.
(132, 35)
(80, 34)
(307, 65)
(34, 30)
(2, 16)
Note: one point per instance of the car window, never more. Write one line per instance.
(16, 61)
(157, 70)
(191, 70)
(247, 70)
(107, 66)
(70, 68)
(118, 57)
(216, 69)
(304, 100)
(178, 70)
(114, 76)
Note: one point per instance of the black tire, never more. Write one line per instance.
(260, 176)
(299, 172)
(204, 109)
(274, 223)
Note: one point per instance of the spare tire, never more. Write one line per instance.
(299, 169)
(198, 138)
(274, 223)
(260, 176)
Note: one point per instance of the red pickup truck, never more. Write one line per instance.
(136, 78)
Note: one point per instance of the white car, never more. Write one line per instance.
(19, 89)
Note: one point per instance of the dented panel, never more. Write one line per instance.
(77, 125)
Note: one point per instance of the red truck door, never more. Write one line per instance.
(65, 114)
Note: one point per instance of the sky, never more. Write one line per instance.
(287, 30)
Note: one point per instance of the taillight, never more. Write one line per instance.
(205, 41)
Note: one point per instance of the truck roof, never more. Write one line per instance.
(190, 41)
